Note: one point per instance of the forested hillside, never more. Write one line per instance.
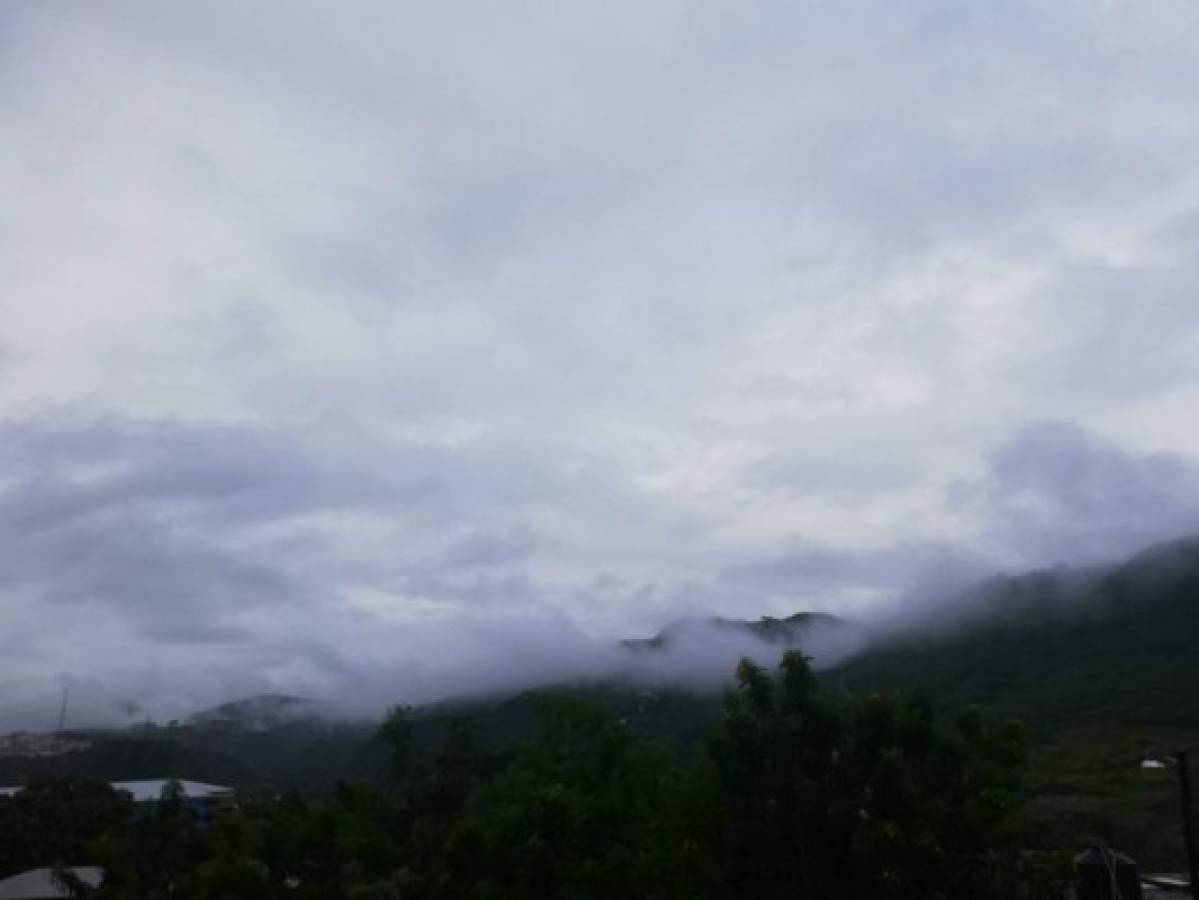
(1103, 668)
(1115, 645)
(1100, 665)
(792, 793)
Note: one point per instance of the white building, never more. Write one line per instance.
(147, 791)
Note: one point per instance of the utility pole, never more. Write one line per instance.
(1188, 826)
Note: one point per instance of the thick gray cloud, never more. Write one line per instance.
(1054, 493)
(389, 349)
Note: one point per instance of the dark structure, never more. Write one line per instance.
(1104, 874)
(1188, 822)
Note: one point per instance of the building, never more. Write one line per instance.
(193, 791)
(148, 791)
(200, 799)
(44, 884)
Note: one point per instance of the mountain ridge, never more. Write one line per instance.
(787, 631)
(1068, 651)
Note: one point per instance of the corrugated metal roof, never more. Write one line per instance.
(152, 790)
(143, 791)
(41, 884)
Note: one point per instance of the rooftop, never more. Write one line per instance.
(152, 790)
(43, 884)
(143, 791)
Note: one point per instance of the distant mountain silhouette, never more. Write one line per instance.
(786, 632)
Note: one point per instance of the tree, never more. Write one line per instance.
(866, 796)
(53, 822)
(583, 812)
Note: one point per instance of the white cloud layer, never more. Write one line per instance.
(407, 345)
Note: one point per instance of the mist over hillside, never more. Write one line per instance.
(494, 658)
(1116, 645)
(1098, 663)
(1061, 625)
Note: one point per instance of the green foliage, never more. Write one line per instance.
(1100, 666)
(148, 855)
(796, 793)
(581, 813)
(1116, 647)
(397, 733)
(53, 822)
(861, 796)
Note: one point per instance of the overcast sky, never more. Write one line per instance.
(349, 343)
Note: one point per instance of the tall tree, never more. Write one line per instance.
(866, 796)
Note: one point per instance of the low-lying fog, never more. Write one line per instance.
(490, 655)
(484, 659)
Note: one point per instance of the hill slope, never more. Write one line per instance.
(1101, 665)
(1114, 645)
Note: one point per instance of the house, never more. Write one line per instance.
(193, 791)
(200, 799)
(44, 884)
(152, 790)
